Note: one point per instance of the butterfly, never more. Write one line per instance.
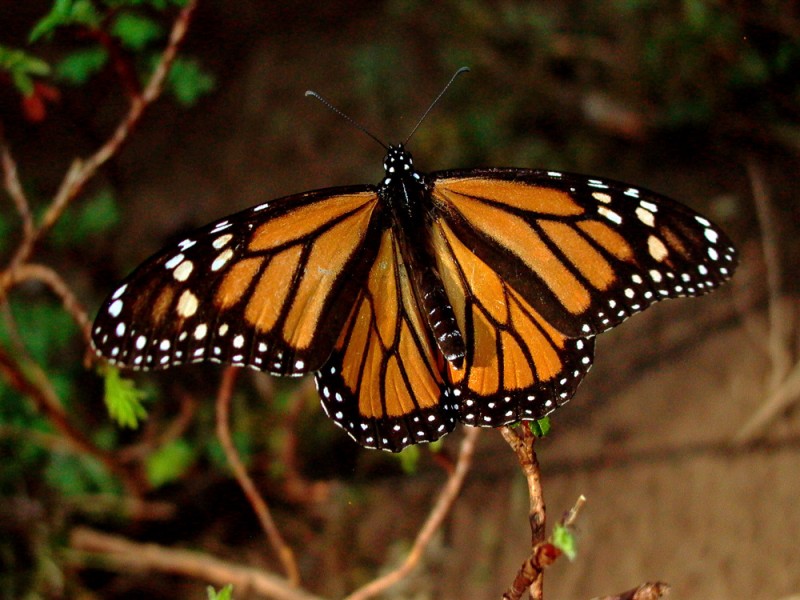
(467, 295)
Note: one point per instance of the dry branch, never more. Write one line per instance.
(434, 521)
(97, 549)
(279, 545)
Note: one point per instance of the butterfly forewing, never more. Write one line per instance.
(586, 253)
(383, 382)
(269, 288)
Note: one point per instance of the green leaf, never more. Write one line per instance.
(564, 540)
(135, 31)
(22, 67)
(169, 462)
(225, 593)
(63, 14)
(409, 459)
(123, 399)
(77, 67)
(95, 216)
(188, 81)
(46, 328)
(540, 427)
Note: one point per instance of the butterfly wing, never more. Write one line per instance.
(269, 287)
(585, 253)
(383, 383)
(517, 366)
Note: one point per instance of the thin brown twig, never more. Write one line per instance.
(647, 591)
(279, 545)
(783, 386)
(82, 170)
(93, 548)
(14, 188)
(530, 576)
(50, 278)
(434, 521)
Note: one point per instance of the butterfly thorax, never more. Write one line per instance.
(406, 195)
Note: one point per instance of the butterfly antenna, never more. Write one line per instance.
(436, 101)
(346, 117)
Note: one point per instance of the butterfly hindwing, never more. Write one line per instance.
(586, 253)
(268, 288)
(518, 366)
(383, 382)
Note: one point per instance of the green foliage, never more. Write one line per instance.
(125, 22)
(409, 459)
(564, 540)
(66, 13)
(123, 399)
(44, 328)
(22, 67)
(188, 81)
(225, 593)
(74, 475)
(540, 427)
(135, 31)
(169, 462)
(79, 66)
(79, 223)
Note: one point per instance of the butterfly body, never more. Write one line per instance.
(466, 295)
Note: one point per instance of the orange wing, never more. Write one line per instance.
(518, 366)
(382, 384)
(584, 253)
(267, 288)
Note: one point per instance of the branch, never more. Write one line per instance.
(50, 278)
(784, 382)
(435, 518)
(646, 591)
(120, 554)
(531, 575)
(81, 171)
(14, 188)
(258, 503)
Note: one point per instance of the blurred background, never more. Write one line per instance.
(698, 100)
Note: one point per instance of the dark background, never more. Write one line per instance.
(680, 97)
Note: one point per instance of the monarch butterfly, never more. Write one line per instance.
(463, 295)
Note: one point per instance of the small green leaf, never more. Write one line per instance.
(123, 399)
(169, 462)
(188, 81)
(540, 427)
(564, 540)
(225, 593)
(134, 31)
(63, 14)
(22, 67)
(77, 67)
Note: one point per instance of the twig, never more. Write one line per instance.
(258, 503)
(530, 576)
(81, 171)
(646, 591)
(118, 553)
(14, 187)
(435, 518)
(783, 385)
(50, 278)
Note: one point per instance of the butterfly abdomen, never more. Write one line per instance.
(405, 193)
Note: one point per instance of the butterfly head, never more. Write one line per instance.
(398, 164)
